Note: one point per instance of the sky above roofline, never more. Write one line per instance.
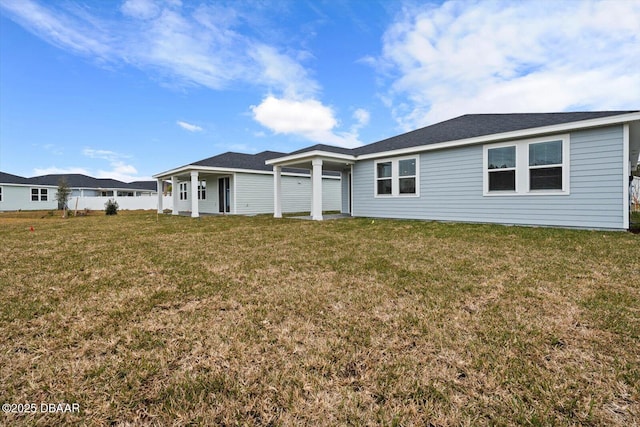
(125, 90)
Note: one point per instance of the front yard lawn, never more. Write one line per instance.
(255, 321)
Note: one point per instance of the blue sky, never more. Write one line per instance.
(127, 89)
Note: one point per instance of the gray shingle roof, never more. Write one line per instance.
(475, 125)
(7, 178)
(75, 180)
(467, 126)
(324, 147)
(234, 160)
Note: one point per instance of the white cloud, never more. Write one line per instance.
(362, 117)
(142, 9)
(215, 46)
(112, 156)
(122, 172)
(119, 168)
(188, 126)
(308, 118)
(472, 57)
(183, 45)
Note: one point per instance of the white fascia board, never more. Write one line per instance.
(184, 169)
(10, 184)
(308, 156)
(518, 134)
(205, 169)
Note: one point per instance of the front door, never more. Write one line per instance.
(224, 194)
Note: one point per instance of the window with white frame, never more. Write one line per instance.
(534, 166)
(502, 168)
(183, 191)
(545, 165)
(39, 194)
(397, 177)
(202, 190)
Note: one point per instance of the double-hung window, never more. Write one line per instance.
(183, 191)
(39, 194)
(202, 190)
(502, 168)
(545, 165)
(535, 167)
(396, 177)
(383, 178)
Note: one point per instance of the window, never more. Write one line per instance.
(407, 176)
(535, 166)
(545, 166)
(125, 193)
(106, 193)
(202, 190)
(183, 191)
(39, 194)
(397, 177)
(0, 194)
(384, 177)
(502, 168)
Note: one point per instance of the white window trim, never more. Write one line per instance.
(183, 188)
(39, 190)
(395, 177)
(522, 167)
(202, 189)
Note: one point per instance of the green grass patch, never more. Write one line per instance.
(146, 319)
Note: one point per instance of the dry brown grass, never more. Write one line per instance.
(256, 321)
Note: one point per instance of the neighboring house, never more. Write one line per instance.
(237, 183)
(545, 169)
(40, 192)
(19, 193)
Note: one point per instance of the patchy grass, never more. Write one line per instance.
(255, 321)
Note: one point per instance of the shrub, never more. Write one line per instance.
(111, 207)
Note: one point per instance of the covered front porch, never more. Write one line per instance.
(317, 162)
(197, 192)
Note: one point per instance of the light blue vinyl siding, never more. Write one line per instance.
(451, 188)
(254, 193)
(18, 197)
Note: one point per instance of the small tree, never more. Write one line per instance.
(62, 196)
(111, 207)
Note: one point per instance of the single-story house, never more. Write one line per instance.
(237, 183)
(19, 193)
(40, 192)
(544, 169)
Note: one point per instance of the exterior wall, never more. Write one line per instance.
(345, 192)
(18, 197)
(254, 193)
(451, 188)
(210, 203)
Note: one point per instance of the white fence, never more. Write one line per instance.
(124, 203)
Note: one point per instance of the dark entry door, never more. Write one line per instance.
(224, 193)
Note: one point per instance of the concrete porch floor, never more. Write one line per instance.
(324, 217)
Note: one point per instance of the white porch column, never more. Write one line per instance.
(316, 190)
(175, 190)
(160, 185)
(277, 191)
(195, 213)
